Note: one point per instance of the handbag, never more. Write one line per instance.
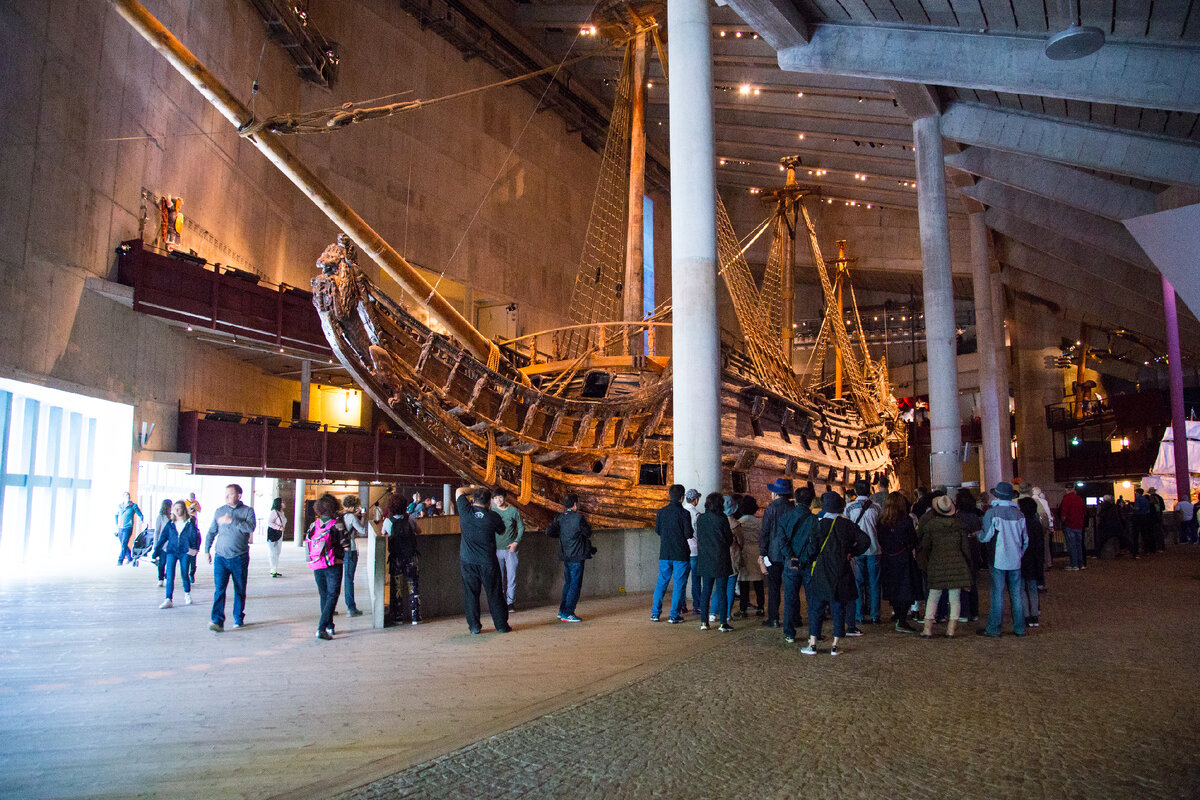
(274, 534)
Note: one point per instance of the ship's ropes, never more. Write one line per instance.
(599, 283)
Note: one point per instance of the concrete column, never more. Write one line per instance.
(301, 484)
(1003, 380)
(448, 499)
(1183, 483)
(994, 448)
(695, 338)
(376, 564)
(945, 458)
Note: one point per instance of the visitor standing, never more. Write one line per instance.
(356, 528)
(1033, 564)
(507, 544)
(574, 536)
(126, 511)
(230, 531)
(793, 529)
(176, 540)
(193, 507)
(897, 536)
(164, 516)
(1004, 524)
(968, 514)
(691, 504)
(712, 560)
(942, 546)
(1187, 520)
(770, 546)
(749, 573)
(276, 525)
(1139, 518)
(401, 531)
(673, 524)
(1157, 508)
(1073, 512)
(833, 540)
(325, 543)
(864, 513)
(478, 566)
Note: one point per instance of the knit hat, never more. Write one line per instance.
(692, 495)
(1004, 491)
(832, 503)
(943, 505)
(781, 486)
(731, 506)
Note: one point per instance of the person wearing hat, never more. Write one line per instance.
(942, 545)
(674, 527)
(864, 512)
(770, 545)
(1005, 525)
(832, 542)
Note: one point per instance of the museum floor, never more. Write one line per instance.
(106, 696)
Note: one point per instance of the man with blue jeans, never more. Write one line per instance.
(125, 514)
(674, 527)
(1005, 523)
(230, 530)
(1073, 513)
(574, 536)
(864, 513)
(794, 530)
(356, 528)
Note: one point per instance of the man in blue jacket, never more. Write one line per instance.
(574, 536)
(125, 514)
(673, 525)
(1005, 523)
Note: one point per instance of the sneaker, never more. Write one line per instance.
(758, 612)
(328, 630)
(216, 627)
(875, 621)
(703, 626)
(963, 619)
(324, 635)
(833, 651)
(790, 639)
(854, 632)
(355, 613)
(187, 599)
(674, 620)
(712, 617)
(561, 616)
(571, 618)
(511, 608)
(166, 603)
(653, 617)
(1034, 622)
(476, 631)
(507, 629)
(725, 627)
(771, 623)
(904, 627)
(809, 650)
(237, 625)
(162, 583)
(984, 632)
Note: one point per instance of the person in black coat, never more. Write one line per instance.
(574, 536)
(793, 531)
(1033, 561)
(673, 524)
(477, 562)
(897, 538)
(833, 541)
(769, 541)
(712, 560)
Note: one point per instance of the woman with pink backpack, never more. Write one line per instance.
(326, 545)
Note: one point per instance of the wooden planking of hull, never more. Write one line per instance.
(614, 452)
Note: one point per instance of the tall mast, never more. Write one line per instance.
(841, 318)
(634, 257)
(787, 259)
(333, 206)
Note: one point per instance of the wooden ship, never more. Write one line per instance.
(587, 408)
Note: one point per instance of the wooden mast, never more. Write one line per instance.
(634, 293)
(837, 350)
(787, 260)
(333, 206)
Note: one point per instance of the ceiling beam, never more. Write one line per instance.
(898, 166)
(1066, 185)
(1144, 74)
(893, 135)
(1110, 238)
(779, 22)
(1154, 158)
(918, 100)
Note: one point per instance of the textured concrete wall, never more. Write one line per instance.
(93, 115)
(625, 561)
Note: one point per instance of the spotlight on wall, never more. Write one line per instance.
(144, 434)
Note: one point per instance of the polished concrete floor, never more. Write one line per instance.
(104, 695)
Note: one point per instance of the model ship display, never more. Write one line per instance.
(587, 408)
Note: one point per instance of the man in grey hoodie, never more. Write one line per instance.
(231, 528)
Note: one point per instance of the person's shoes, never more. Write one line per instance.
(725, 627)
(695, 611)
(1034, 622)
(187, 599)
(476, 631)
(1085, 565)
(963, 619)
(833, 650)
(1070, 569)
(274, 574)
(1022, 633)
(739, 615)
(242, 624)
(511, 608)
(771, 623)
(703, 626)
(560, 616)
(926, 635)
(571, 618)
(941, 620)
(416, 622)
(904, 627)
(875, 621)
(216, 627)
(854, 632)
(166, 603)
(974, 618)
(653, 617)
(332, 630)
(712, 617)
(674, 620)
(790, 639)
(162, 583)
(809, 650)
(758, 612)
(355, 613)
(984, 632)
(324, 635)
(683, 609)
(505, 629)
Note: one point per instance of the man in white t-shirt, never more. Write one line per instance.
(1187, 520)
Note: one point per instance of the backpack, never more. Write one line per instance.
(320, 543)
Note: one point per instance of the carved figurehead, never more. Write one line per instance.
(336, 290)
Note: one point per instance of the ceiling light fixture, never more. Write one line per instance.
(1077, 40)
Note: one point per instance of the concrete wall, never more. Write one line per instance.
(625, 561)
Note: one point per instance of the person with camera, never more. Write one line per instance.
(574, 536)
(477, 557)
